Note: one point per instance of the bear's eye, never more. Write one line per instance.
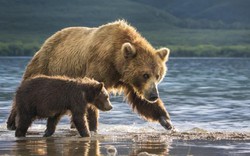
(146, 76)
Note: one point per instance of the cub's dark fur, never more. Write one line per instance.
(51, 97)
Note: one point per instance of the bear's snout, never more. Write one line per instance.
(153, 96)
(107, 106)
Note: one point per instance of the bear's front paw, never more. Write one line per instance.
(84, 134)
(47, 133)
(166, 123)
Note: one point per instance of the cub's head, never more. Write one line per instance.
(143, 69)
(101, 98)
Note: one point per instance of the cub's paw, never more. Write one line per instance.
(48, 133)
(84, 134)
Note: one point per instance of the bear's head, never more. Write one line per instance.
(98, 96)
(143, 69)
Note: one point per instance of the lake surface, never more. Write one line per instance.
(204, 95)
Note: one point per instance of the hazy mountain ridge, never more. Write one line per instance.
(182, 25)
(50, 15)
(228, 11)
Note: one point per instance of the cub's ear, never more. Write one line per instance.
(163, 53)
(99, 87)
(128, 50)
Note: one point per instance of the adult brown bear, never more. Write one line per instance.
(115, 54)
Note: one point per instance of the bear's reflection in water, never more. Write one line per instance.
(56, 146)
(84, 146)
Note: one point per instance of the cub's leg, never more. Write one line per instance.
(92, 116)
(51, 125)
(80, 123)
(23, 122)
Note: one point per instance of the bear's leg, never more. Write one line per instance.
(81, 124)
(11, 123)
(23, 123)
(150, 111)
(51, 125)
(92, 117)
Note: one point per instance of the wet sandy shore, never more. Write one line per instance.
(68, 142)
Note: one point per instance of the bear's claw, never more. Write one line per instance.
(166, 123)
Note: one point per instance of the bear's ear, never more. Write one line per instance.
(163, 53)
(128, 50)
(99, 87)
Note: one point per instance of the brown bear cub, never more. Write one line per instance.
(52, 96)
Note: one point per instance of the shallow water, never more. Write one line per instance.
(202, 96)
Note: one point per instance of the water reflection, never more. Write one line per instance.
(122, 145)
(150, 148)
(86, 147)
(53, 146)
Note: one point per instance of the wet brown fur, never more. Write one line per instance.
(97, 53)
(52, 97)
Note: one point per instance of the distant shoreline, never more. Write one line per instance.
(176, 51)
(171, 57)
